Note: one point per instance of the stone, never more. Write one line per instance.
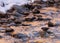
(11, 24)
(21, 9)
(47, 19)
(2, 30)
(9, 30)
(30, 19)
(1, 37)
(49, 32)
(50, 24)
(25, 24)
(36, 11)
(3, 21)
(40, 18)
(18, 14)
(26, 13)
(45, 29)
(20, 36)
(29, 6)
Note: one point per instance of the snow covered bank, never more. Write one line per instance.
(7, 4)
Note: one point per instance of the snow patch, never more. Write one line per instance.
(7, 4)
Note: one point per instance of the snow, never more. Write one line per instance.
(7, 4)
(44, 0)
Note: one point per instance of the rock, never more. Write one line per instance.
(45, 29)
(40, 19)
(38, 1)
(3, 16)
(26, 13)
(18, 14)
(47, 19)
(18, 21)
(2, 30)
(49, 32)
(21, 9)
(50, 24)
(11, 24)
(11, 10)
(25, 24)
(30, 19)
(3, 21)
(38, 15)
(36, 34)
(12, 17)
(29, 6)
(36, 11)
(1, 37)
(57, 23)
(20, 36)
(9, 30)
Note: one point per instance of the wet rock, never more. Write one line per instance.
(45, 29)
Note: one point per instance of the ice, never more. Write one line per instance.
(7, 4)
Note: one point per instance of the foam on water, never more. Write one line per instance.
(7, 4)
